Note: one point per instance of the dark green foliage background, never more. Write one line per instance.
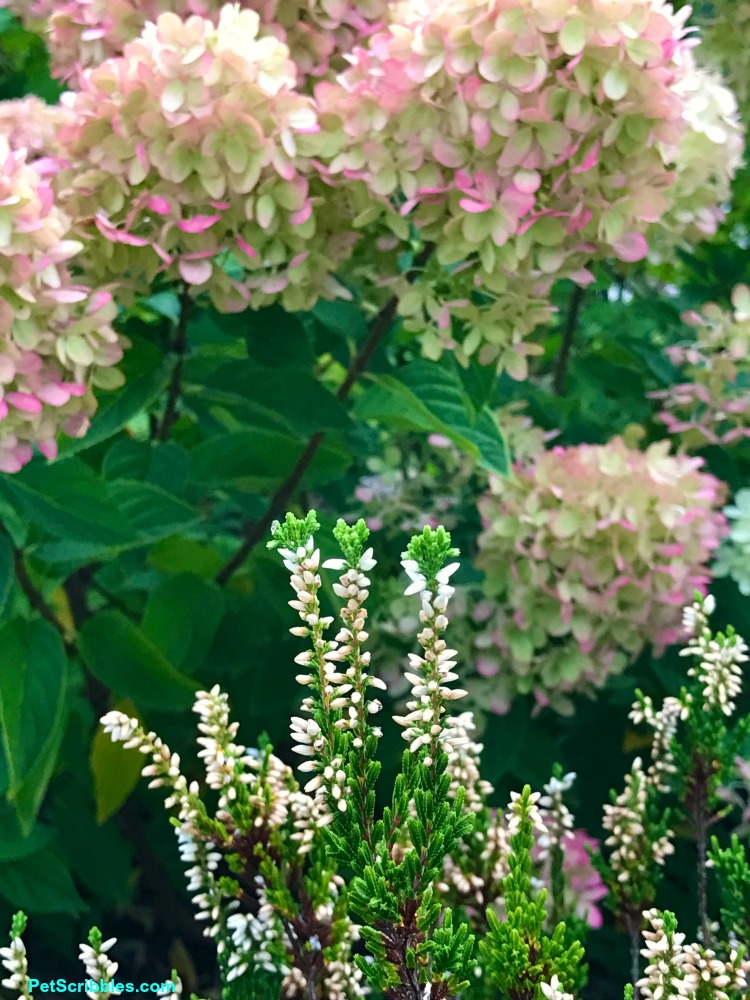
(123, 536)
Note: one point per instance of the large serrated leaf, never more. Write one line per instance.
(432, 398)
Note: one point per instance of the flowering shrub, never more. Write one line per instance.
(197, 158)
(712, 404)
(590, 552)
(437, 869)
(346, 246)
(693, 753)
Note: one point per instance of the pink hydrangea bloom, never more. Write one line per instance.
(83, 33)
(590, 552)
(712, 403)
(32, 125)
(523, 138)
(188, 155)
(56, 341)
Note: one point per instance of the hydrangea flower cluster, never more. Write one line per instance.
(56, 339)
(733, 558)
(705, 162)
(32, 125)
(83, 33)
(499, 131)
(712, 403)
(187, 155)
(592, 551)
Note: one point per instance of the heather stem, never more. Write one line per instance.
(701, 840)
(634, 932)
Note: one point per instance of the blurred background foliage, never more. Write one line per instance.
(123, 539)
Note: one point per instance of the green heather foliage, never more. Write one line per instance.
(329, 897)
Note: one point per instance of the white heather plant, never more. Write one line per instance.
(316, 893)
(693, 756)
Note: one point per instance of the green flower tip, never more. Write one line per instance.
(18, 925)
(430, 551)
(294, 533)
(95, 938)
(352, 539)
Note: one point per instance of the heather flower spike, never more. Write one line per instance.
(392, 888)
(267, 832)
(14, 959)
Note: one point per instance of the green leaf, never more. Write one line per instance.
(182, 617)
(13, 843)
(256, 462)
(165, 464)
(6, 570)
(33, 683)
(40, 883)
(123, 658)
(341, 317)
(169, 467)
(115, 770)
(431, 398)
(126, 459)
(487, 435)
(253, 390)
(153, 512)
(274, 337)
(184, 555)
(147, 374)
(68, 500)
